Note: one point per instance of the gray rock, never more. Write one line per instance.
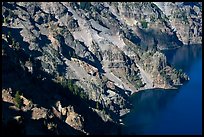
(124, 38)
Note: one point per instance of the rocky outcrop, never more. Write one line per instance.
(149, 23)
(95, 53)
(70, 116)
(73, 119)
(39, 113)
(185, 19)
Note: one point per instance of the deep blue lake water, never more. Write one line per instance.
(170, 111)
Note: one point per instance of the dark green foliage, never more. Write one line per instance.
(15, 45)
(13, 41)
(184, 17)
(70, 84)
(72, 54)
(139, 84)
(57, 36)
(18, 101)
(85, 5)
(76, 90)
(152, 19)
(9, 33)
(82, 95)
(162, 73)
(144, 24)
(11, 14)
(73, 88)
(97, 106)
(178, 75)
(5, 20)
(136, 80)
(167, 77)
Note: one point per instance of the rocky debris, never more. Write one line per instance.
(56, 113)
(91, 70)
(159, 61)
(54, 8)
(150, 25)
(29, 65)
(185, 19)
(157, 67)
(19, 119)
(105, 117)
(59, 106)
(73, 119)
(27, 104)
(51, 126)
(64, 111)
(111, 93)
(110, 50)
(38, 113)
(6, 95)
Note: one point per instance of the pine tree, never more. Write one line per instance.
(17, 99)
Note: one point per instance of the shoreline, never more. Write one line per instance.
(155, 88)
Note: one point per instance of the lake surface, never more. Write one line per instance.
(170, 111)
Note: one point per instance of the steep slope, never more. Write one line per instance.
(96, 53)
(186, 19)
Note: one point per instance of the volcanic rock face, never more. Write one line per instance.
(186, 19)
(95, 54)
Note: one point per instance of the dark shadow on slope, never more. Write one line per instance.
(98, 31)
(66, 50)
(9, 5)
(192, 4)
(10, 125)
(69, 52)
(43, 41)
(43, 93)
(30, 126)
(153, 39)
(122, 92)
(96, 62)
(15, 33)
(26, 91)
(61, 69)
(132, 37)
(32, 21)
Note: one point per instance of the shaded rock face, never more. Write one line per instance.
(149, 23)
(93, 55)
(71, 117)
(186, 19)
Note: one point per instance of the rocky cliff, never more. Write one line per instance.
(79, 62)
(185, 19)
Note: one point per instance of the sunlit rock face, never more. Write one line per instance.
(100, 53)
